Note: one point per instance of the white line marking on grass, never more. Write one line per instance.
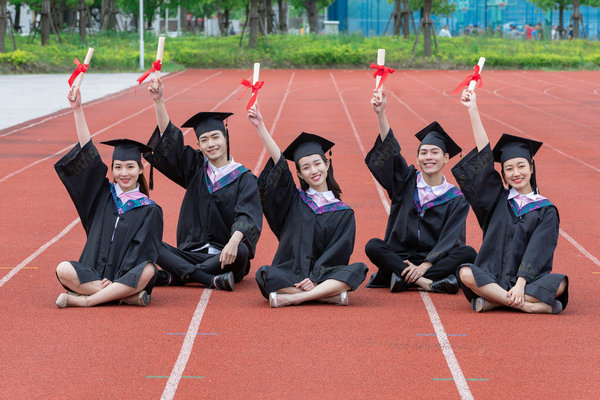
(451, 361)
(86, 105)
(36, 253)
(105, 128)
(263, 153)
(186, 348)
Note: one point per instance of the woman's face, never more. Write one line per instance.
(313, 170)
(517, 173)
(126, 174)
(213, 145)
(431, 159)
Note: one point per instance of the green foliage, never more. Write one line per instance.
(119, 52)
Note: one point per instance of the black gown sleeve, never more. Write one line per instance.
(83, 173)
(453, 232)
(248, 212)
(339, 248)
(146, 242)
(480, 182)
(277, 191)
(388, 166)
(172, 157)
(541, 245)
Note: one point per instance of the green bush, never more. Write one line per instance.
(120, 52)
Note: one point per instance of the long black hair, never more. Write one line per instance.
(330, 180)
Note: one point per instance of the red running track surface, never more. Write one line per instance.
(406, 345)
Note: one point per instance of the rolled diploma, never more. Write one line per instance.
(77, 83)
(380, 61)
(159, 54)
(472, 84)
(256, 73)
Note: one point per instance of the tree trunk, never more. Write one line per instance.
(405, 19)
(82, 24)
(253, 23)
(223, 17)
(17, 23)
(2, 25)
(576, 19)
(397, 17)
(426, 19)
(313, 15)
(270, 16)
(283, 7)
(561, 23)
(45, 22)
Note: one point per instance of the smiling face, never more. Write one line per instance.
(126, 173)
(431, 159)
(517, 173)
(313, 170)
(213, 145)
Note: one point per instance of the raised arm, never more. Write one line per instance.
(256, 119)
(83, 132)
(469, 100)
(378, 103)
(156, 92)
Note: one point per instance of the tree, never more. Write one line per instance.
(2, 25)
(224, 9)
(550, 5)
(312, 8)
(577, 18)
(132, 7)
(429, 7)
(283, 7)
(401, 17)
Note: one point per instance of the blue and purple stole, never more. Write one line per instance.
(528, 207)
(446, 197)
(338, 205)
(224, 181)
(130, 204)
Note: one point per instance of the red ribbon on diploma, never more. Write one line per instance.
(475, 77)
(155, 67)
(81, 68)
(382, 71)
(254, 88)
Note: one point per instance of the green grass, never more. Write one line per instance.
(119, 52)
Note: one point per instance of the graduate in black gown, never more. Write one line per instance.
(123, 226)
(424, 240)
(520, 227)
(314, 227)
(220, 219)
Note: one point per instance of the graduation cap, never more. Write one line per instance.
(127, 149)
(510, 146)
(435, 135)
(307, 144)
(208, 121)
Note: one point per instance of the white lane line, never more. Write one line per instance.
(105, 129)
(263, 153)
(186, 348)
(579, 247)
(440, 333)
(442, 337)
(36, 253)
(86, 105)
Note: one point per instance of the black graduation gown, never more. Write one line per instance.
(426, 234)
(314, 242)
(208, 214)
(118, 254)
(513, 245)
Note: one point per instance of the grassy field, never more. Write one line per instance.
(119, 53)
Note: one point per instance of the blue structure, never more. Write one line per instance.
(370, 17)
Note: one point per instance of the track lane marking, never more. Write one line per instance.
(106, 128)
(451, 361)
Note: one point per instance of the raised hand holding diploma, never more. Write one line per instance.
(255, 85)
(77, 75)
(472, 80)
(381, 72)
(157, 64)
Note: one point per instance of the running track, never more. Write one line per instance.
(195, 343)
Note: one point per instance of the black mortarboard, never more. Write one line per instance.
(127, 149)
(510, 146)
(435, 135)
(208, 121)
(307, 144)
